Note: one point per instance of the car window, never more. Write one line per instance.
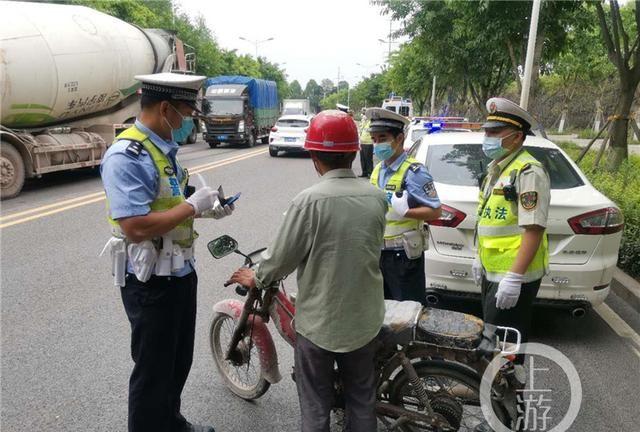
(465, 165)
(561, 173)
(294, 123)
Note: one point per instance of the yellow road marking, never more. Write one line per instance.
(48, 206)
(99, 196)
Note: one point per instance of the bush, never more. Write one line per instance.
(623, 188)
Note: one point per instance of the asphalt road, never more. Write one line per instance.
(65, 336)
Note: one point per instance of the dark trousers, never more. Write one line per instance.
(162, 313)
(518, 316)
(403, 277)
(366, 159)
(315, 377)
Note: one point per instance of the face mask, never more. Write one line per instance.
(186, 126)
(492, 146)
(383, 150)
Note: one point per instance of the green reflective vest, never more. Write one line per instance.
(170, 191)
(365, 135)
(395, 228)
(499, 235)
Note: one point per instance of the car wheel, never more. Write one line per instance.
(193, 137)
(12, 171)
(273, 152)
(265, 139)
(251, 141)
(213, 144)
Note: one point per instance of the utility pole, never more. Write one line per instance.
(531, 47)
(389, 50)
(433, 97)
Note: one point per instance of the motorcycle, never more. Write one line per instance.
(429, 362)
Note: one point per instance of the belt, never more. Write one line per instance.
(394, 243)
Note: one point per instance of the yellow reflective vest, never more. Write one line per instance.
(170, 190)
(395, 228)
(499, 235)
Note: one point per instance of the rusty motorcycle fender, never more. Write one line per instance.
(261, 338)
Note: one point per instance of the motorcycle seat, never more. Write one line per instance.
(400, 315)
(449, 328)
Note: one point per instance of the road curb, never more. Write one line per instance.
(627, 288)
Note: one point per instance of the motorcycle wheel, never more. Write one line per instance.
(244, 380)
(453, 390)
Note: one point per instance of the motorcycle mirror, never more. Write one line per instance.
(222, 246)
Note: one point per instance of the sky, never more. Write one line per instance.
(312, 39)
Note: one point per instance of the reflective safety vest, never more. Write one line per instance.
(499, 236)
(170, 190)
(396, 183)
(365, 135)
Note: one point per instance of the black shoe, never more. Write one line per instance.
(188, 427)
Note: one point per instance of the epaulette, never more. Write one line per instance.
(525, 167)
(135, 148)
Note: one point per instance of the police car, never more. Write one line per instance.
(421, 126)
(584, 227)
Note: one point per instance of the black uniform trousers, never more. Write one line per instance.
(403, 277)
(518, 316)
(315, 378)
(366, 159)
(162, 313)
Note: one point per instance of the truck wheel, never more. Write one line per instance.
(193, 137)
(213, 144)
(273, 152)
(11, 171)
(251, 141)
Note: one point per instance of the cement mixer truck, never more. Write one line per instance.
(67, 86)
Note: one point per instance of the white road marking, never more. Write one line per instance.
(619, 326)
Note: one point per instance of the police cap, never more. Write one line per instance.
(172, 86)
(505, 113)
(384, 120)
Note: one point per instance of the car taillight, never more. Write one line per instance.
(607, 220)
(450, 217)
(274, 129)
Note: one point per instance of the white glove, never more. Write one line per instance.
(509, 290)
(218, 211)
(203, 199)
(400, 205)
(476, 271)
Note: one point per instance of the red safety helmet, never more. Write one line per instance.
(332, 131)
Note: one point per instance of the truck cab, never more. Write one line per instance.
(228, 115)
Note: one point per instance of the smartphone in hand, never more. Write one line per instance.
(228, 200)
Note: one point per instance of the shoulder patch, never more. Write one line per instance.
(430, 189)
(529, 200)
(135, 148)
(414, 167)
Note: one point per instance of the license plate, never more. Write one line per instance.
(223, 137)
(290, 139)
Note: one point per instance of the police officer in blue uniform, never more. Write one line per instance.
(412, 199)
(152, 248)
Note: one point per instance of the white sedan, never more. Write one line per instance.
(288, 134)
(584, 226)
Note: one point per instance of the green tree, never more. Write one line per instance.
(410, 73)
(621, 36)
(313, 92)
(295, 91)
(271, 71)
(328, 87)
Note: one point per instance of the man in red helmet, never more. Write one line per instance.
(332, 234)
